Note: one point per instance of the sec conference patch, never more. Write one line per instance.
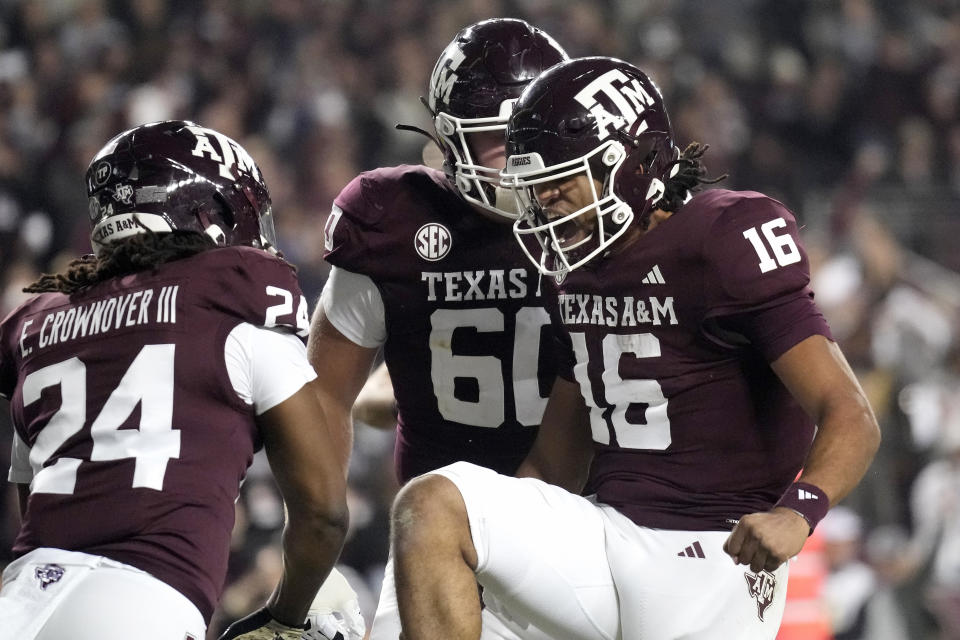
(433, 241)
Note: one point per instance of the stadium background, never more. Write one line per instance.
(846, 110)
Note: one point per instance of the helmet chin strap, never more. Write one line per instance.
(216, 234)
(409, 127)
(415, 129)
(656, 191)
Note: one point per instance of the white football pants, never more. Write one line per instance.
(51, 594)
(557, 565)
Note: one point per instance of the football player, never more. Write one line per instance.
(697, 368)
(141, 381)
(426, 268)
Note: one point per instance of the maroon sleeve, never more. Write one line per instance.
(774, 330)
(381, 212)
(8, 369)
(759, 275)
(355, 216)
(267, 290)
(10, 335)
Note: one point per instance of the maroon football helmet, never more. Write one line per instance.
(178, 175)
(598, 117)
(472, 90)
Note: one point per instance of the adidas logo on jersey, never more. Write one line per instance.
(803, 494)
(693, 551)
(654, 276)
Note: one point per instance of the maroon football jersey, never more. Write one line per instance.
(671, 339)
(469, 346)
(122, 392)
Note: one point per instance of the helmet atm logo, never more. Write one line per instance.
(231, 155)
(444, 76)
(629, 98)
(433, 241)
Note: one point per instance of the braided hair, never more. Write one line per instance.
(686, 176)
(138, 253)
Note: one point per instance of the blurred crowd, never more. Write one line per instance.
(846, 110)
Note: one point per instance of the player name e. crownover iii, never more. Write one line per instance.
(101, 316)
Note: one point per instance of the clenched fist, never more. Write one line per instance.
(766, 540)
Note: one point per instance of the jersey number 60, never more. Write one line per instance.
(489, 410)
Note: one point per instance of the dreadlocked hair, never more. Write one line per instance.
(687, 173)
(141, 252)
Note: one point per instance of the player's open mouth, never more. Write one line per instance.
(571, 235)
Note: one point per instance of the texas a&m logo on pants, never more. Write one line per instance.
(761, 586)
(48, 574)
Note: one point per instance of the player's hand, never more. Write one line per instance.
(766, 540)
(335, 612)
(330, 626)
(260, 625)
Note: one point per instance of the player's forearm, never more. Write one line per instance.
(311, 546)
(530, 468)
(338, 422)
(847, 439)
(819, 377)
(563, 449)
(380, 413)
(341, 433)
(564, 467)
(375, 404)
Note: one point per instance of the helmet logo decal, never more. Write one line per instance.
(444, 76)
(148, 195)
(232, 153)
(102, 173)
(123, 193)
(629, 98)
(433, 241)
(93, 208)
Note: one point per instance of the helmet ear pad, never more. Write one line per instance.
(213, 217)
(642, 177)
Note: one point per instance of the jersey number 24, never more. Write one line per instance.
(148, 382)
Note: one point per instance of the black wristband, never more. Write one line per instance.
(806, 499)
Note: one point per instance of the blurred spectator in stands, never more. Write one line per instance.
(850, 583)
(935, 497)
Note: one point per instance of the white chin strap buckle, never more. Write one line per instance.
(656, 191)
